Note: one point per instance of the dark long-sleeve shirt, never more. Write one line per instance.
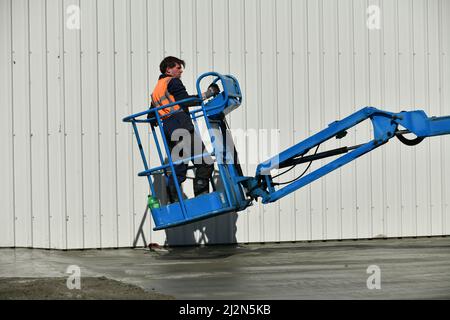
(179, 119)
(178, 90)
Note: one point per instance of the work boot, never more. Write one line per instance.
(201, 186)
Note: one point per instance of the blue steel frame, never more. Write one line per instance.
(239, 190)
(213, 111)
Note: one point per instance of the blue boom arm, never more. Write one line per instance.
(385, 125)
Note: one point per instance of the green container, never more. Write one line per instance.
(153, 202)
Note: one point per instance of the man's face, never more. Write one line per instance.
(175, 72)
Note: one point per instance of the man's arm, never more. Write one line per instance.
(178, 90)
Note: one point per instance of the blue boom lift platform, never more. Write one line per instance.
(240, 191)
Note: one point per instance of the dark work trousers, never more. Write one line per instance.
(183, 143)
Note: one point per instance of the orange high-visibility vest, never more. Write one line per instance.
(161, 96)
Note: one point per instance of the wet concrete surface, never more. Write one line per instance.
(408, 269)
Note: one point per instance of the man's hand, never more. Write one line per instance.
(213, 90)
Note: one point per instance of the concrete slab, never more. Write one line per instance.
(407, 269)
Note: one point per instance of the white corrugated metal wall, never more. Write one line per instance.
(68, 167)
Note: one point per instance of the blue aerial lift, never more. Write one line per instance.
(240, 191)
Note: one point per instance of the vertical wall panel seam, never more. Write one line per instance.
(194, 43)
(441, 144)
(43, 12)
(178, 43)
(98, 130)
(62, 129)
(291, 106)
(130, 44)
(231, 233)
(63, 126)
(163, 28)
(382, 103)
(83, 212)
(179, 27)
(308, 111)
(30, 158)
(368, 96)
(413, 83)
(228, 40)
(441, 149)
(338, 87)
(291, 28)
(413, 103)
(368, 91)
(116, 167)
(244, 47)
(12, 126)
(433, 206)
(47, 126)
(323, 182)
(259, 80)
(244, 39)
(355, 178)
(211, 36)
(427, 100)
(399, 160)
(127, 14)
(277, 120)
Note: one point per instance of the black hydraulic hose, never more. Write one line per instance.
(303, 173)
(287, 182)
(280, 174)
(409, 142)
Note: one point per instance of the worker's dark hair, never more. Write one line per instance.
(170, 62)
